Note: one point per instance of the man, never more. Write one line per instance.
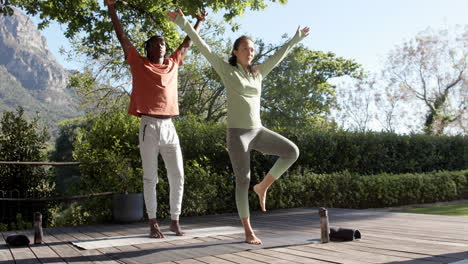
(154, 99)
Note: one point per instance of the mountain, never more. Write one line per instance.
(30, 76)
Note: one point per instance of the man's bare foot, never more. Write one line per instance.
(175, 227)
(261, 196)
(252, 239)
(155, 232)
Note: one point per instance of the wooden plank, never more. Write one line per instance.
(112, 254)
(21, 255)
(6, 255)
(91, 231)
(108, 230)
(45, 254)
(340, 255)
(66, 251)
(440, 236)
(207, 239)
(430, 243)
(127, 254)
(292, 233)
(285, 256)
(314, 253)
(238, 259)
(421, 247)
(410, 249)
(358, 252)
(155, 254)
(97, 256)
(264, 258)
(374, 255)
(71, 234)
(213, 260)
(220, 237)
(188, 261)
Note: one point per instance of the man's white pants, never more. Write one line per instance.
(158, 136)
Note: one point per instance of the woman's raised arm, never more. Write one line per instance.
(179, 18)
(276, 58)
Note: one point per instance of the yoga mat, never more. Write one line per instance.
(144, 238)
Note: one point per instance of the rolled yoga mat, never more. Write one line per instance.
(344, 234)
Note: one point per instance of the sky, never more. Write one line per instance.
(363, 30)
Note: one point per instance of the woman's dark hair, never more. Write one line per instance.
(148, 42)
(233, 59)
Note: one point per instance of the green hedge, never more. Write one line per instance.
(339, 169)
(347, 190)
(334, 151)
(335, 169)
(209, 193)
(373, 153)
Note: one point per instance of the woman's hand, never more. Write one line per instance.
(305, 31)
(173, 15)
(201, 16)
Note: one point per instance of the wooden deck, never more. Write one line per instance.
(289, 236)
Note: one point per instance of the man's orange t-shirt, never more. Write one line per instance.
(154, 85)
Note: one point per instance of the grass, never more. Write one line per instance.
(454, 210)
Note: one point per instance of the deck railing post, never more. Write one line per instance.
(38, 228)
(324, 227)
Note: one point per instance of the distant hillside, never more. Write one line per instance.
(30, 76)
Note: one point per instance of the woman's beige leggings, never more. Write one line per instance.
(240, 142)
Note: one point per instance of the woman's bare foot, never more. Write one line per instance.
(175, 227)
(261, 196)
(262, 188)
(249, 233)
(252, 239)
(155, 232)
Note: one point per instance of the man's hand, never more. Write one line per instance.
(201, 16)
(110, 2)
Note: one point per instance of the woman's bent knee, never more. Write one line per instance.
(293, 152)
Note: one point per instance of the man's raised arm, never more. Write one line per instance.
(124, 41)
(187, 42)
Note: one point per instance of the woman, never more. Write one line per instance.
(245, 132)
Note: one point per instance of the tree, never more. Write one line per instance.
(432, 69)
(297, 94)
(367, 104)
(109, 151)
(23, 140)
(63, 152)
(86, 19)
(5, 7)
(354, 103)
(303, 98)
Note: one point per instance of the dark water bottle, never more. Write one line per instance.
(324, 227)
(38, 228)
